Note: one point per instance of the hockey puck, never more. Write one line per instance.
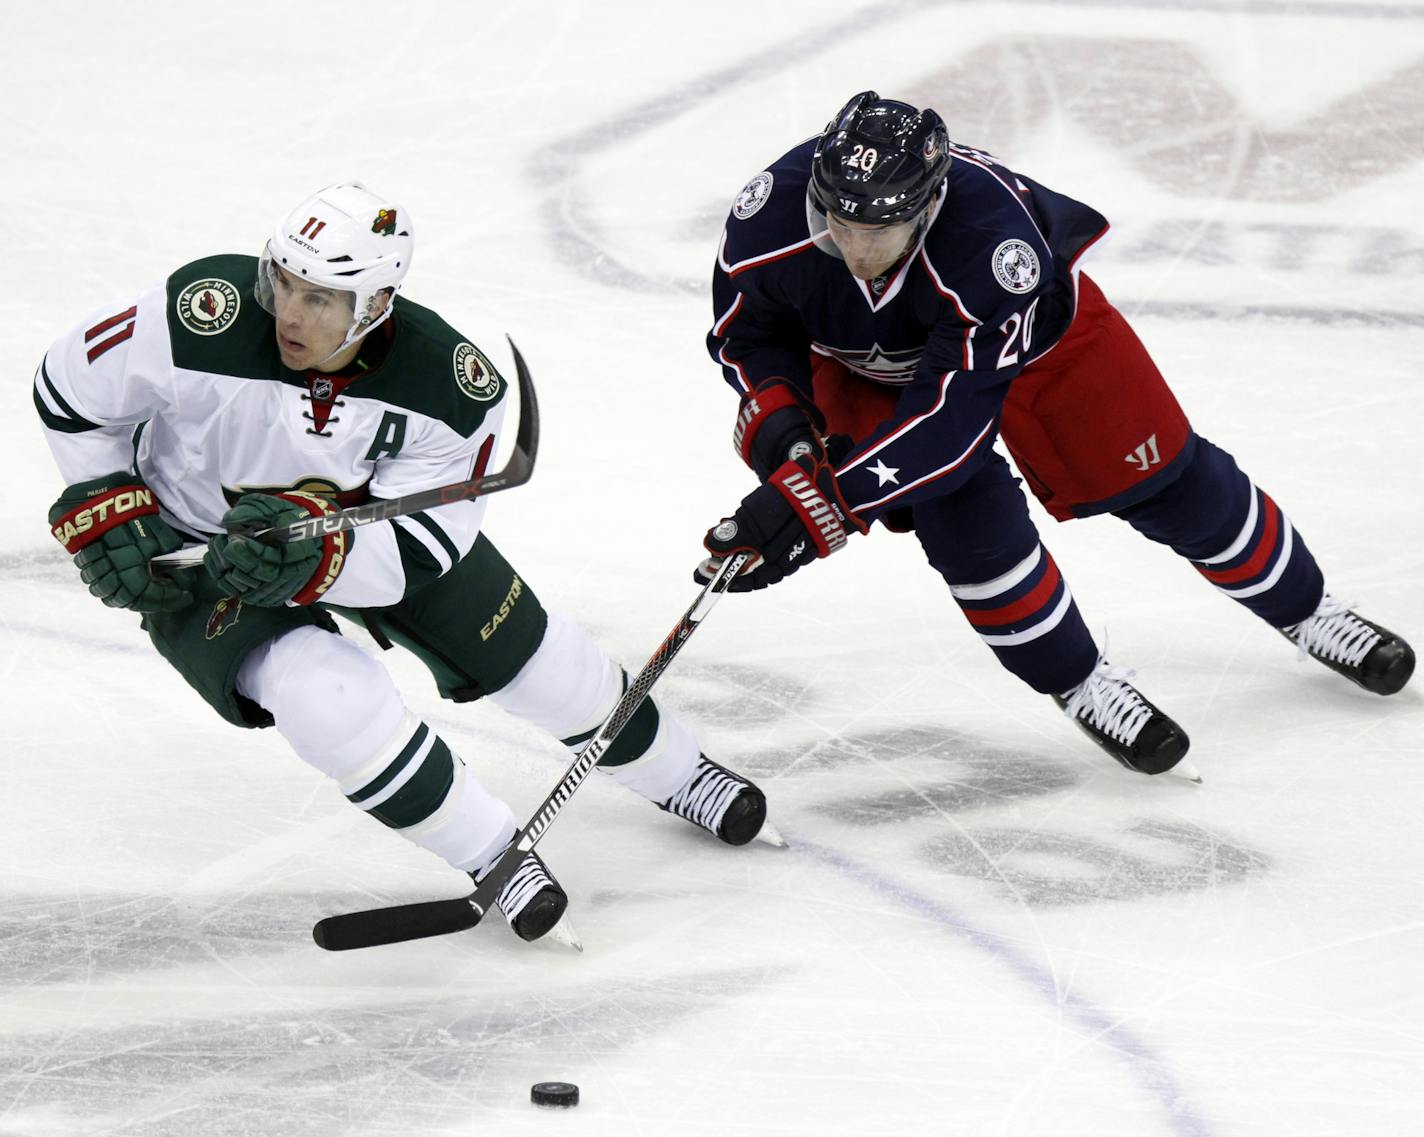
(560, 1094)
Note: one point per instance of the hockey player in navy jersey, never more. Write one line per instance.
(247, 391)
(887, 301)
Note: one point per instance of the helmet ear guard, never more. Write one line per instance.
(347, 239)
(879, 161)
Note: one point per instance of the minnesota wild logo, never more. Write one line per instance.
(224, 615)
(476, 375)
(207, 307)
(321, 487)
(385, 223)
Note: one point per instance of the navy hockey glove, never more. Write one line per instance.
(775, 424)
(271, 575)
(796, 517)
(112, 528)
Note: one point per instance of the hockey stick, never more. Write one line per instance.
(441, 917)
(516, 472)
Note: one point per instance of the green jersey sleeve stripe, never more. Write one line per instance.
(419, 563)
(426, 522)
(67, 421)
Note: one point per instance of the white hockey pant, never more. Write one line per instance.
(569, 686)
(341, 712)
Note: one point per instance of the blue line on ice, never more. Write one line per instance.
(1149, 1069)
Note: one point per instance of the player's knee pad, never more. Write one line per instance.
(569, 684)
(333, 703)
(341, 712)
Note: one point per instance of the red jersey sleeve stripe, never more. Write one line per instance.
(113, 341)
(112, 321)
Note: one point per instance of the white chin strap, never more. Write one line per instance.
(358, 331)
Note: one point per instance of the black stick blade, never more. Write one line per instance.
(394, 925)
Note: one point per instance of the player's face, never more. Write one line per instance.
(869, 250)
(312, 322)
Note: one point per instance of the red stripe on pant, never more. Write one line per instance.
(1023, 607)
(1265, 548)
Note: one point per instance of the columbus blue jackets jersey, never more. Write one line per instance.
(988, 288)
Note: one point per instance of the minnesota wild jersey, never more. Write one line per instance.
(185, 385)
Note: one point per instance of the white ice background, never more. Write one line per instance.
(982, 926)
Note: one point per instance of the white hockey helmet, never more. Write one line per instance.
(348, 239)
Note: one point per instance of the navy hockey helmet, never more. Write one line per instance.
(879, 161)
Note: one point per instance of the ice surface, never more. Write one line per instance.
(982, 927)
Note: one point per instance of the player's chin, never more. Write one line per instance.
(864, 271)
(296, 359)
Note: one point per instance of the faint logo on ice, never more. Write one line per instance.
(1174, 120)
(973, 807)
(1044, 867)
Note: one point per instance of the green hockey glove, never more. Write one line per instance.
(271, 575)
(112, 528)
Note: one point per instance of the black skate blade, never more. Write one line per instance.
(394, 925)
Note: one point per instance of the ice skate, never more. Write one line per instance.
(1368, 655)
(725, 804)
(533, 901)
(1114, 714)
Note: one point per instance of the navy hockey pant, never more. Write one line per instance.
(1235, 536)
(983, 542)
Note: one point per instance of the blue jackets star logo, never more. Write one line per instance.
(884, 473)
(876, 363)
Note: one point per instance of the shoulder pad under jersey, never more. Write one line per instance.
(434, 370)
(214, 321)
(767, 220)
(986, 244)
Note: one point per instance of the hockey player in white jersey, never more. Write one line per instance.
(249, 392)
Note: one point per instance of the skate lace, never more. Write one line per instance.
(1334, 632)
(1109, 702)
(527, 880)
(705, 796)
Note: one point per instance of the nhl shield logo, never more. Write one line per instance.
(225, 614)
(1016, 266)
(475, 374)
(753, 196)
(207, 307)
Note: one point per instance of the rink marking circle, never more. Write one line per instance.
(1149, 1068)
